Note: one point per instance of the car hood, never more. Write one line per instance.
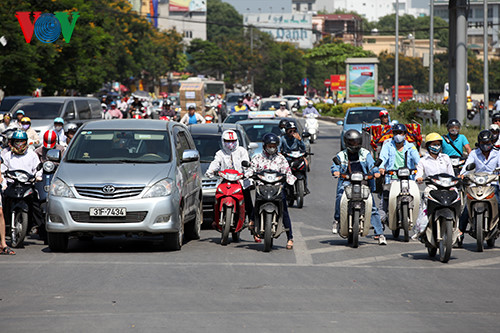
(140, 174)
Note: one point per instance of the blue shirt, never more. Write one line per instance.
(482, 164)
(192, 119)
(388, 156)
(459, 142)
(288, 144)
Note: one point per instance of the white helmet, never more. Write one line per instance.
(229, 141)
(494, 127)
(310, 103)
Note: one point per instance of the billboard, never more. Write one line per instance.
(292, 28)
(361, 80)
(187, 6)
(337, 82)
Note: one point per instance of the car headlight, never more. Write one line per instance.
(58, 188)
(49, 166)
(160, 189)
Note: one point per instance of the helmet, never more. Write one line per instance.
(453, 122)
(282, 103)
(49, 139)
(19, 135)
(168, 102)
(484, 136)
(70, 127)
(26, 120)
(113, 103)
(433, 137)
(399, 127)
(19, 148)
(229, 135)
(229, 141)
(192, 107)
(19, 111)
(496, 117)
(291, 125)
(104, 106)
(494, 127)
(383, 113)
(240, 100)
(7, 115)
(353, 140)
(212, 98)
(59, 120)
(270, 138)
(283, 123)
(310, 103)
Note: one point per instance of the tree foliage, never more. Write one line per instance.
(224, 22)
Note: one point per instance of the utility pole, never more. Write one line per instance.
(396, 74)
(486, 114)
(431, 56)
(251, 53)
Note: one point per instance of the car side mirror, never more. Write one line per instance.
(70, 116)
(340, 123)
(378, 162)
(306, 134)
(336, 160)
(54, 155)
(190, 155)
(246, 164)
(253, 145)
(470, 167)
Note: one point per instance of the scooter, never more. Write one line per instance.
(269, 206)
(298, 166)
(443, 208)
(20, 190)
(229, 206)
(404, 203)
(166, 118)
(482, 206)
(209, 119)
(355, 206)
(312, 126)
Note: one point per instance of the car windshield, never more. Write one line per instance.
(363, 116)
(208, 145)
(8, 103)
(120, 146)
(233, 98)
(256, 131)
(270, 105)
(37, 110)
(236, 117)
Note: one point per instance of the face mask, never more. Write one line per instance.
(485, 147)
(495, 136)
(399, 138)
(230, 145)
(58, 128)
(25, 127)
(436, 149)
(283, 131)
(453, 131)
(271, 151)
(19, 144)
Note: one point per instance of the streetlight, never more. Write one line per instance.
(396, 74)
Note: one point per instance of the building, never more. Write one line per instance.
(188, 17)
(261, 6)
(408, 46)
(348, 27)
(303, 6)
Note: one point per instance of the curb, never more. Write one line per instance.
(330, 119)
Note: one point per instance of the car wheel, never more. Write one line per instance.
(173, 240)
(195, 225)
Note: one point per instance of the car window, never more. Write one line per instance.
(120, 146)
(8, 103)
(181, 143)
(83, 109)
(362, 116)
(233, 98)
(255, 131)
(36, 110)
(209, 144)
(270, 105)
(95, 109)
(232, 119)
(70, 111)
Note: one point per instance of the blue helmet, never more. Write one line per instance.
(270, 138)
(59, 120)
(399, 127)
(19, 135)
(113, 103)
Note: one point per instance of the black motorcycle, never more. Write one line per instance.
(269, 206)
(296, 160)
(19, 194)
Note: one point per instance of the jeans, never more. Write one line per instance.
(464, 218)
(375, 218)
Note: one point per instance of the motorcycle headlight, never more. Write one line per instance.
(480, 180)
(49, 166)
(58, 188)
(22, 177)
(162, 188)
(357, 177)
(404, 172)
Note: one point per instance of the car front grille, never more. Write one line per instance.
(209, 183)
(132, 217)
(98, 192)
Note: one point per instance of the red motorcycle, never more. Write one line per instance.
(166, 118)
(229, 206)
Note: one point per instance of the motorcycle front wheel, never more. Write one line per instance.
(268, 237)
(300, 193)
(355, 229)
(226, 228)
(446, 240)
(479, 220)
(19, 229)
(405, 223)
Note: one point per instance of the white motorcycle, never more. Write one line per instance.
(312, 126)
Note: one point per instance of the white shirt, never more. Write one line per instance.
(282, 113)
(27, 162)
(199, 118)
(60, 135)
(497, 105)
(429, 166)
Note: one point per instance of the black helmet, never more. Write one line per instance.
(399, 127)
(496, 117)
(353, 140)
(485, 136)
(453, 122)
(168, 102)
(270, 138)
(291, 125)
(240, 100)
(283, 123)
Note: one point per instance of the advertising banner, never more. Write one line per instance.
(338, 82)
(188, 6)
(361, 80)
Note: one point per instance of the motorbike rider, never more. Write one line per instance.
(270, 159)
(282, 111)
(18, 116)
(230, 157)
(114, 112)
(396, 153)
(384, 117)
(459, 141)
(239, 106)
(282, 125)
(210, 111)
(310, 109)
(59, 129)
(70, 130)
(292, 141)
(433, 163)
(495, 130)
(123, 106)
(33, 138)
(4, 249)
(487, 160)
(249, 101)
(192, 117)
(7, 123)
(49, 142)
(19, 157)
(355, 158)
(167, 110)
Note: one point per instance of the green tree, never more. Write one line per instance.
(207, 58)
(411, 72)
(223, 21)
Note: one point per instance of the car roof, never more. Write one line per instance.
(213, 128)
(16, 97)
(128, 124)
(58, 99)
(273, 99)
(361, 108)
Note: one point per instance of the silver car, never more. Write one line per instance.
(132, 177)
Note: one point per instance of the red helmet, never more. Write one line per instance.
(383, 113)
(50, 139)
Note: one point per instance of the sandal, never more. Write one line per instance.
(257, 239)
(289, 245)
(7, 251)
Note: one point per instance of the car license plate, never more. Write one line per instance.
(106, 211)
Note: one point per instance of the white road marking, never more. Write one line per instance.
(476, 263)
(302, 255)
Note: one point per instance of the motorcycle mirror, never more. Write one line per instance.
(378, 162)
(336, 160)
(39, 166)
(306, 134)
(470, 167)
(246, 164)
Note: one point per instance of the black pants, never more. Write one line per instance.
(248, 204)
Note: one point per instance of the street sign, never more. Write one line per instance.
(305, 82)
(327, 83)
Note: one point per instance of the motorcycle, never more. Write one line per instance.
(298, 166)
(166, 118)
(457, 163)
(355, 206)
(229, 206)
(209, 119)
(482, 206)
(403, 203)
(312, 126)
(443, 208)
(269, 206)
(137, 114)
(20, 190)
